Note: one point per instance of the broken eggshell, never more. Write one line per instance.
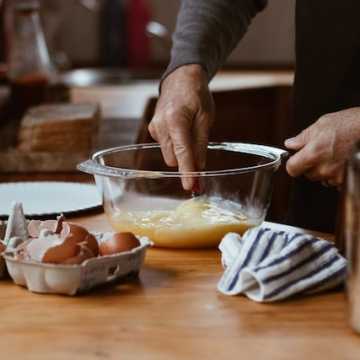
(84, 254)
(60, 242)
(79, 234)
(49, 247)
(35, 227)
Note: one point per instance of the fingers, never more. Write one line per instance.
(159, 133)
(301, 162)
(174, 133)
(296, 142)
(331, 175)
(180, 124)
(308, 163)
(182, 143)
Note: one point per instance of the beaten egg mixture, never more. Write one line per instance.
(195, 223)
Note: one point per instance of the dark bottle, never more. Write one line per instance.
(30, 69)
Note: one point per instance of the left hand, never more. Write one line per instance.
(324, 147)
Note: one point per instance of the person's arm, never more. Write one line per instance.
(206, 33)
(208, 30)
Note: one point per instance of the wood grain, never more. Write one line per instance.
(172, 312)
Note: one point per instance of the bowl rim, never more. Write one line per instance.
(94, 167)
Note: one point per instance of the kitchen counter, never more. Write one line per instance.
(172, 312)
(129, 100)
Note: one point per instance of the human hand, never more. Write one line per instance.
(183, 116)
(324, 147)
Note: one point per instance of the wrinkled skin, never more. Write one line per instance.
(323, 148)
(183, 116)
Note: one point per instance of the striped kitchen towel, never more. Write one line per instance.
(268, 265)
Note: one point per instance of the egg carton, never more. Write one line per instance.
(65, 279)
(75, 279)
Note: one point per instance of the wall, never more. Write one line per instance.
(269, 41)
(270, 38)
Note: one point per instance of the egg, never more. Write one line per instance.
(83, 254)
(51, 248)
(117, 243)
(77, 233)
(60, 242)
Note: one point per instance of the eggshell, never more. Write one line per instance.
(57, 248)
(77, 233)
(118, 243)
(51, 248)
(83, 254)
(35, 227)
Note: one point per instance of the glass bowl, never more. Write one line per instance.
(142, 195)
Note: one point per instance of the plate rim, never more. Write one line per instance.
(53, 214)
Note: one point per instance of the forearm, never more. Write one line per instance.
(208, 30)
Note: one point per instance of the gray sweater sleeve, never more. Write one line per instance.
(208, 30)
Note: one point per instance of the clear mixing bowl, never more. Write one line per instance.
(142, 195)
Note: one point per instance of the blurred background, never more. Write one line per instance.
(77, 29)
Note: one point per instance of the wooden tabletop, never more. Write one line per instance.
(173, 311)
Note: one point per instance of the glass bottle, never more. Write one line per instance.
(30, 69)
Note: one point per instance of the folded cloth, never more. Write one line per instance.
(268, 265)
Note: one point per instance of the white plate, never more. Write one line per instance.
(48, 198)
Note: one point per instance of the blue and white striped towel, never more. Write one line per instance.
(268, 265)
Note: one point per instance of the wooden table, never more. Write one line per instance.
(172, 312)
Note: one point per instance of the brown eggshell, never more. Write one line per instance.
(2, 247)
(77, 233)
(83, 254)
(59, 254)
(118, 243)
(51, 248)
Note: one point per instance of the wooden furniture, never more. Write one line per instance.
(173, 311)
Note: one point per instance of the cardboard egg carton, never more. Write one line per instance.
(74, 279)
(67, 279)
(16, 226)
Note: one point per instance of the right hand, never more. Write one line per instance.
(183, 116)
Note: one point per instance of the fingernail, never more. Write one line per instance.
(290, 141)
